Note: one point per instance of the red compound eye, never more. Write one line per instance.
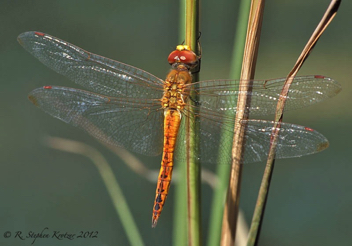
(182, 55)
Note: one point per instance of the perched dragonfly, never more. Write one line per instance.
(131, 108)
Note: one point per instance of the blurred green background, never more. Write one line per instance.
(310, 198)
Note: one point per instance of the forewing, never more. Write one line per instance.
(218, 96)
(94, 72)
(135, 124)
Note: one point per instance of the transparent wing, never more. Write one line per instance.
(216, 134)
(93, 72)
(135, 124)
(218, 96)
(294, 140)
(128, 112)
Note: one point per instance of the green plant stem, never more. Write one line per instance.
(120, 203)
(192, 127)
(261, 202)
(111, 184)
(180, 214)
(224, 170)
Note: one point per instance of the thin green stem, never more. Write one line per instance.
(111, 184)
(180, 214)
(192, 127)
(119, 202)
(223, 171)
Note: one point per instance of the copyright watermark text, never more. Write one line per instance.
(46, 233)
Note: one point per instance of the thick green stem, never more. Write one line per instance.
(180, 215)
(192, 126)
(223, 170)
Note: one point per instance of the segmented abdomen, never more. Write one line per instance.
(172, 121)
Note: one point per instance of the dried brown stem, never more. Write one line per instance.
(264, 188)
(247, 73)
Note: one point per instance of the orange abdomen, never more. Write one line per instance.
(172, 121)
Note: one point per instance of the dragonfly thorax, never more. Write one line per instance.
(175, 92)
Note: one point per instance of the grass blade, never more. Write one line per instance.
(111, 184)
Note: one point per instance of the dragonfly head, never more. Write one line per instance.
(183, 54)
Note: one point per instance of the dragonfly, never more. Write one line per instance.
(128, 107)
